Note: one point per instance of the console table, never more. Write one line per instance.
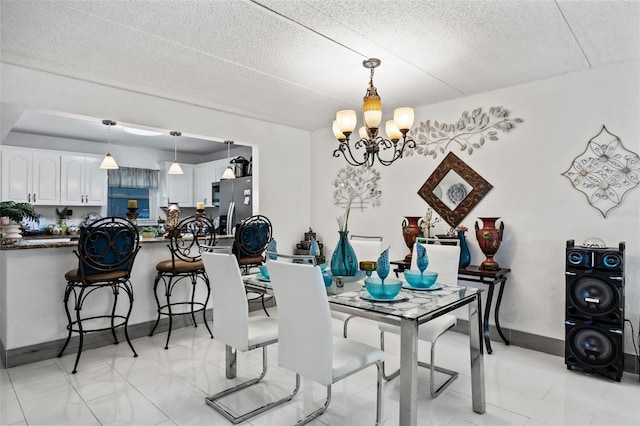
(473, 273)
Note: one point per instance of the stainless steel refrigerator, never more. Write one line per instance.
(236, 203)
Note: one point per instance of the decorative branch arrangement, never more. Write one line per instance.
(361, 183)
(605, 171)
(468, 133)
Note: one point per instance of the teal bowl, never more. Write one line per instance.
(417, 280)
(378, 290)
(264, 271)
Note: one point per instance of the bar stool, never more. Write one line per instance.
(252, 237)
(106, 251)
(187, 241)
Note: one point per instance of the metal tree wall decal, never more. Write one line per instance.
(363, 181)
(605, 171)
(468, 133)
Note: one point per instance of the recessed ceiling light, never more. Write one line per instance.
(141, 132)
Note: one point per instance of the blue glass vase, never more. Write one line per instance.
(343, 259)
(465, 255)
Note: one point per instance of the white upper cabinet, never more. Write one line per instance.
(31, 176)
(84, 183)
(177, 188)
(204, 175)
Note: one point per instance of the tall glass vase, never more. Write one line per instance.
(343, 259)
(465, 255)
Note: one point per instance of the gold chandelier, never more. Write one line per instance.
(373, 145)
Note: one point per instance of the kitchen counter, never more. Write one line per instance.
(37, 242)
(32, 284)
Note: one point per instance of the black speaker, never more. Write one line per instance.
(594, 316)
(595, 347)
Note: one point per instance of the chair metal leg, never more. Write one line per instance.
(431, 366)
(205, 277)
(319, 411)
(344, 327)
(129, 290)
(155, 293)
(67, 292)
(322, 409)
(384, 374)
(264, 308)
(213, 400)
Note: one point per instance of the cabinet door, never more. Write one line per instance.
(72, 180)
(204, 175)
(16, 175)
(180, 187)
(95, 182)
(46, 178)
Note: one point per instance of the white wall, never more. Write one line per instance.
(540, 208)
(282, 152)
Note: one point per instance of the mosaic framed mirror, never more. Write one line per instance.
(453, 189)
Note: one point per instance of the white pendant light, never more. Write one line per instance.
(108, 162)
(175, 168)
(228, 173)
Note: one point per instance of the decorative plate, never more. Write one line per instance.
(400, 297)
(434, 287)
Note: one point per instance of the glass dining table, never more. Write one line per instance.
(415, 307)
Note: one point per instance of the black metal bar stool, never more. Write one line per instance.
(106, 251)
(251, 239)
(187, 241)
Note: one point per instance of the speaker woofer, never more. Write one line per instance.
(593, 347)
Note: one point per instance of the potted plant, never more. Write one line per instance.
(17, 211)
(148, 232)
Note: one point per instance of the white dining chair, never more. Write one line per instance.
(443, 259)
(233, 326)
(366, 248)
(306, 344)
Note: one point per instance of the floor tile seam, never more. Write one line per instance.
(24, 417)
(133, 386)
(534, 415)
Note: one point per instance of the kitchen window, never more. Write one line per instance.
(128, 183)
(119, 198)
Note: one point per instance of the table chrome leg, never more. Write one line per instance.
(231, 361)
(408, 372)
(477, 358)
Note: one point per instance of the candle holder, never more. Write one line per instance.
(132, 215)
(368, 266)
(173, 217)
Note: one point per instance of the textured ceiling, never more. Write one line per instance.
(296, 62)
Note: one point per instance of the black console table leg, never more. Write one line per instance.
(497, 311)
(487, 314)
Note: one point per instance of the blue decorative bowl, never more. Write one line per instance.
(264, 271)
(388, 290)
(414, 278)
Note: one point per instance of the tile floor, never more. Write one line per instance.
(168, 387)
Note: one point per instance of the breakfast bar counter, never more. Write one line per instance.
(32, 284)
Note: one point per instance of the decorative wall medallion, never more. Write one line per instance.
(453, 189)
(605, 171)
(468, 133)
(363, 181)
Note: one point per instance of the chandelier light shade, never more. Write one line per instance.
(108, 163)
(228, 172)
(370, 145)
(175, 168)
